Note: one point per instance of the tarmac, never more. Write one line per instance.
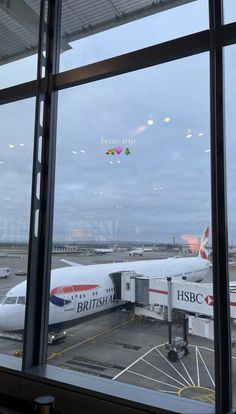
(120, 346)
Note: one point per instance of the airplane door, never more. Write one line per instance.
(116, 279)
(69, 298)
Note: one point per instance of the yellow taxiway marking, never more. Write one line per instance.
(91, 338)
(207, 398)
(209, 395)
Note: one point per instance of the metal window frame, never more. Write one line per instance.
(154, 55)
(42, 197)
(213, 41)
(222, 329)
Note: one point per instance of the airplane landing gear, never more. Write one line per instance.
(56, 337)
(177, 346)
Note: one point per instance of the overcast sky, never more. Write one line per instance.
(162, 188)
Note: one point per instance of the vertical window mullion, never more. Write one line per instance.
(41, 220)
(219, 215)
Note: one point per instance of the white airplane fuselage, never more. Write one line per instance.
(80, 291)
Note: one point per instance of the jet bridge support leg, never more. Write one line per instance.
(177, 347)
(169, 310)
(185, 329)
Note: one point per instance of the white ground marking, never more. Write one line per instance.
(173, 367)
(133, 363)
(187, 372)
(158, 369)
(188, 380)
(197, 365)
(152, 379)
(206, 367)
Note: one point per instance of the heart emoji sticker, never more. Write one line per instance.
(118, 150)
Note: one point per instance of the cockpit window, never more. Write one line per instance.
(2, 299)
(10, 300)
(21, 300)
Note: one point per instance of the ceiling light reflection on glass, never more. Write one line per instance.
(150, 122)
(189, 136)
(140, 129)
(207, 150)
(82, 151)
(158, 188)
(200, 134)
(167, 119)
(74, 152)
(1, 162)
(11, 146)
(21, 144)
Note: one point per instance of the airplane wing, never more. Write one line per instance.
(71, 263)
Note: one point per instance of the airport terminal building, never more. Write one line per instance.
(117, 150)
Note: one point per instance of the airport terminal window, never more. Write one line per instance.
(229, 11)
(21, 71)
(142, 196)
(79, 23)
(153, 195)
(230, 97)
(17, 130)
(19, 41)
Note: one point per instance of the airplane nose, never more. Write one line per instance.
(3, 318)
(12, 319)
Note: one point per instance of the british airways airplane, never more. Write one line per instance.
(79, 291)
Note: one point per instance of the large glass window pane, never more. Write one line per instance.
(230, 95)
(229, 11)
(19, 22)
(17, 129)
(132, 199)
(95, 32)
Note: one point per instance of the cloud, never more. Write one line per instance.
(111, 201)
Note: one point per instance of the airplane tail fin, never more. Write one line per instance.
(203, 252)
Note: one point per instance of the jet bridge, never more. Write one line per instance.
(160, 298)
